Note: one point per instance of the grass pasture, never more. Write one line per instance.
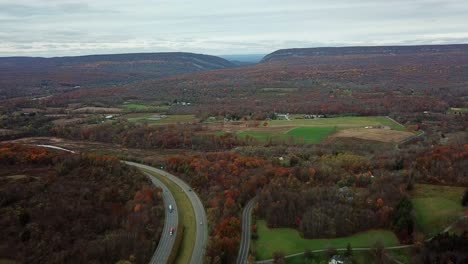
(153, 118)
(311, 135)
(436, 207)
(459, 110)
(186, 218)
(360, 257)
(307, 135)
(262, 136)
(278, 91)
(313, 131)
(339, 122)
(289, 241)
(140, 107)
(383, 135)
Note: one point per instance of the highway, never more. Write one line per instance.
(244, 247)
(166, 241)
(201, 239)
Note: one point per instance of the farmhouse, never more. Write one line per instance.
(313, 116)
(283, 116)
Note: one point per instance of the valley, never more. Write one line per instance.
(353, 154)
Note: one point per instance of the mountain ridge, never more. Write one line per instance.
(362, 50)
(34, 76)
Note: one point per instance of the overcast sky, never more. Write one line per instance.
(75, 27)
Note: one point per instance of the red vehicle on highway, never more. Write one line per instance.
(171, 231)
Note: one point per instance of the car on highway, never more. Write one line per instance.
(171, 231)
(170, 208)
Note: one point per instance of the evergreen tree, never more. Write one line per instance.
(465, 198)
(349, 251)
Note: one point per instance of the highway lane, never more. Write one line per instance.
(244, 247)
(201, 239)
(166, 242)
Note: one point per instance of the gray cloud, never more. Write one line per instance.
(72, 27)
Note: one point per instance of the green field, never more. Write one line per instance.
(339, 122)
(186, 218)
(311, 135)
(459, 109)
(436, 207)
(140, 107)
(170, 119)
(289, 241)
(360, 257)
(263, 137)
(308, 135)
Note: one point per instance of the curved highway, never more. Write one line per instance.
(166, 242)
(244, 247)
(171, 218)
(201, 239)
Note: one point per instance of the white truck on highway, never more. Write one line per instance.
(170, 208)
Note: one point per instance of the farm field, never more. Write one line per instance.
(140, 107)
(436, 207)
(383, 135)
(186, 218)
(311, 135)
(308, 135)
(289, 241)
(340, 122)
(459, 109)
(313, 131)
(150, 118)
(98, 110)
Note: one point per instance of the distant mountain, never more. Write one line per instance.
(32, 76)
(294, 82)
(198, 61)
(364, 50)
(244, 59)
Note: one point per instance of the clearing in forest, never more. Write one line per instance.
(436, 207)
(312, 131)
(289, 241)
(339, 122)
(306, 135)
(377, 134)
(159, 119)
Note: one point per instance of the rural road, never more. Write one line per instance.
(244, 247)
(201, 239)
(166, 242)
(339, 249)
(367, 248)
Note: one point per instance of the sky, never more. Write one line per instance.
(78, 27)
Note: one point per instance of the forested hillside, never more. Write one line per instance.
(67, 208)
(285, 54)
(29, 76)
(359, 84)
